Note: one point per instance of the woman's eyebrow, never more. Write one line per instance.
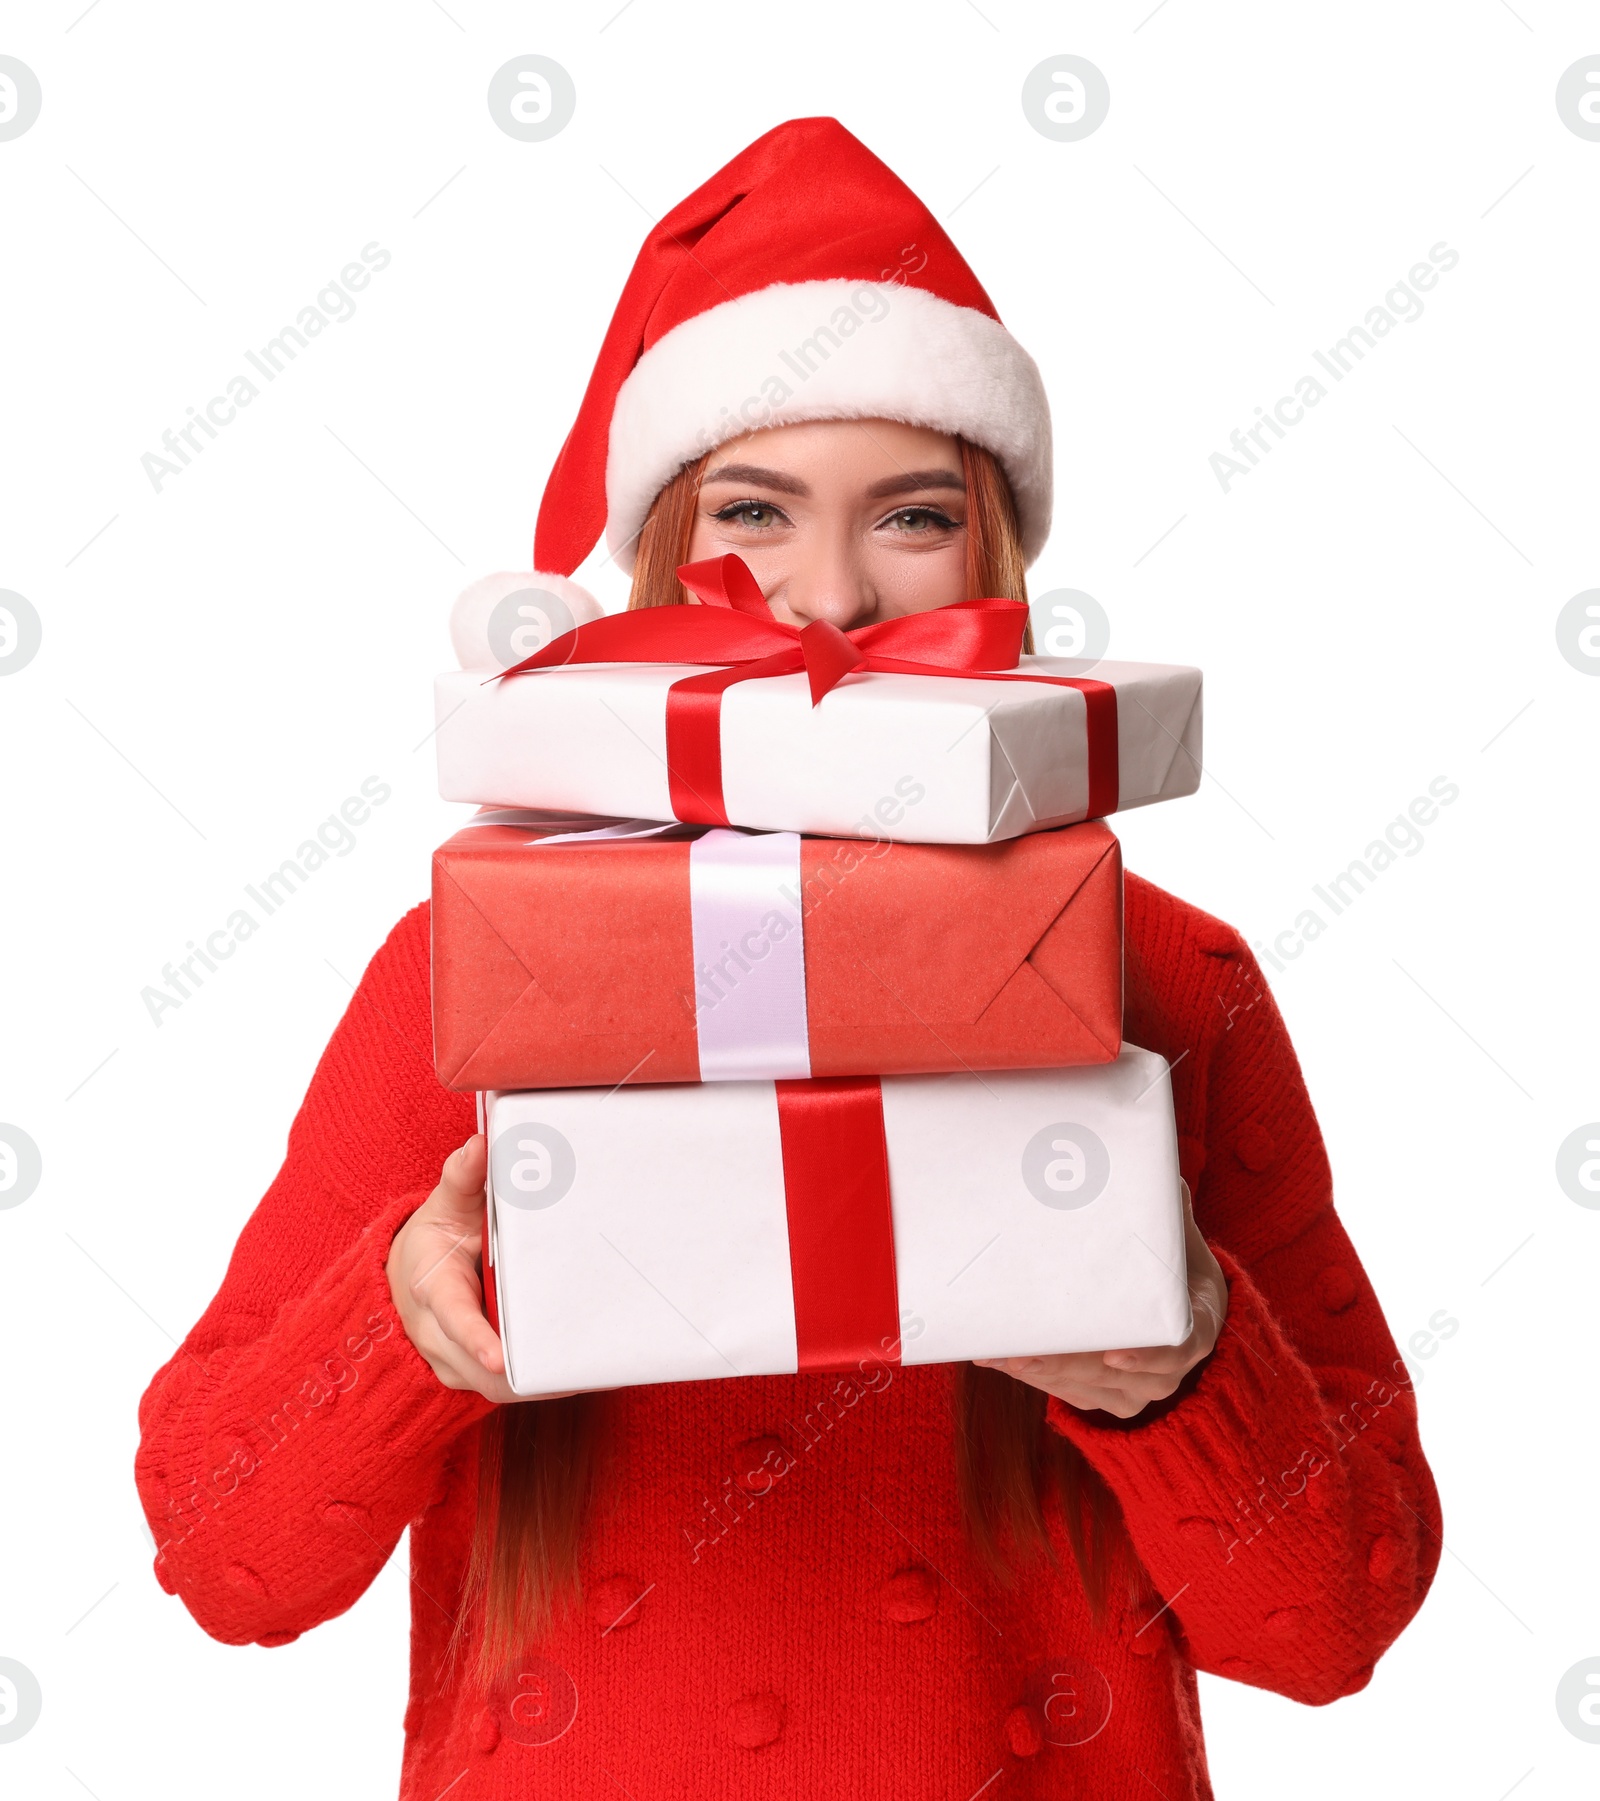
(915, 481)
(753, 476)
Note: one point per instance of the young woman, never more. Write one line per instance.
(926, 1580)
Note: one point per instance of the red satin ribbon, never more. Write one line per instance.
(977, 640)
(491, 1288)
(841, 1232)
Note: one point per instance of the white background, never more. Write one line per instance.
(225, 661)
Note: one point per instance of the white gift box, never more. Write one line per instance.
(931, 759)
(644, 1236)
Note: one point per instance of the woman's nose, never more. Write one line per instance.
(830, 588)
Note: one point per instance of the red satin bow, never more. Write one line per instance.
(734, 628)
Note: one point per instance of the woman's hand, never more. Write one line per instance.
(433, 1277)
(1126, 1382)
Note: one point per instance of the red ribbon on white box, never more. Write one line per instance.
(841, 1227)
(840, 1221)
(704, 1230)
(733, 628)
(746, 913)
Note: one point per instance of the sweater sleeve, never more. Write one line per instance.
(1280, 1502)
(296, 1432)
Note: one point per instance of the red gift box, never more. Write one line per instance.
(566, 959)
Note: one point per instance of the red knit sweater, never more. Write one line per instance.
(830, 1634)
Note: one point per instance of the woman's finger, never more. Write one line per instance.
(444, 1255)
(1153, 1360)
(443, 1356)
(456, 1371)
(1138, 1388)
(454, 1365)
(1101, 1400)
(460, 1191)
(1084, 1380)
(1209, 1315)
(1065, 1366)
(1083, 1370)
(1148, 1387)
(1123, 1407)
(457, 1309)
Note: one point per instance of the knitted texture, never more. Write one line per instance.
(779, 1596)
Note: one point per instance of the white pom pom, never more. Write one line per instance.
(505, 617)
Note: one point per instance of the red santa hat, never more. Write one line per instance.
(803, 281)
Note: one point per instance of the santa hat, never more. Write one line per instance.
(803, 281)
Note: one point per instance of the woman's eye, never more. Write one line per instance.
(753, 513)
(920, 519)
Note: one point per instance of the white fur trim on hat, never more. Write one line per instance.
(827, 350)
(503, 618)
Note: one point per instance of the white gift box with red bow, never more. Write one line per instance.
(931, 759)
(684, 1232)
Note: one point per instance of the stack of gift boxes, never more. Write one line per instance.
(838, 1077)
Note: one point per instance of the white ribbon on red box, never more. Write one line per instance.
(749, 956)
(747, 915)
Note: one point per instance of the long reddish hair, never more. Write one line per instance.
(540, 1460)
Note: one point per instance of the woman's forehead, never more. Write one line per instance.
(789, 453)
